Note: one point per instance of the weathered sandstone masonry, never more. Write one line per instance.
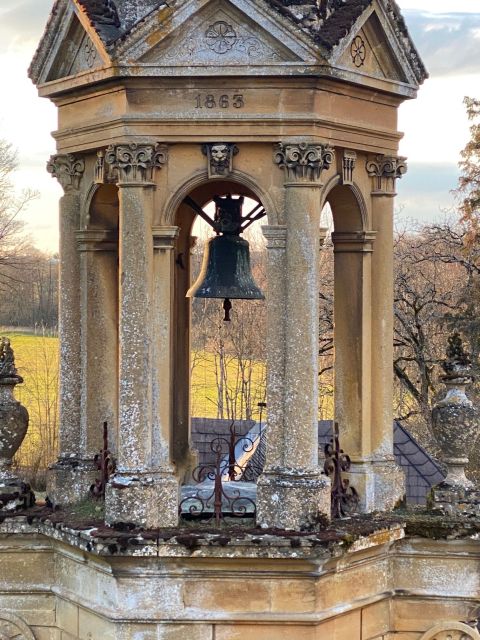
(58, 583)
(295, 106)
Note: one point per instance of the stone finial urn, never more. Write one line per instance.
(13, 428)
(455, 419)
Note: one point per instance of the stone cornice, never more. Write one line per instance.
(303, 162)
(384, 171)
(136, 163)
(68, 169)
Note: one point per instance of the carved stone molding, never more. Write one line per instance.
(136, 163)
(303, 162)
(220, 158)
(11, 626)
(276, 236)
(96, 240)
(68, 169)
(384, 171)
(451, 631)
(353, 241)
(165, 237)
(100, 168)
(348, 166)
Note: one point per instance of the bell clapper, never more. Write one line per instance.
(227, 307)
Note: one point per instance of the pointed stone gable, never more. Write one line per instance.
(220, 35)
(76, 54)
(369, 52)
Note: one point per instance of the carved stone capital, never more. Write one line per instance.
(220, 158)
(384, 171)
(92, 240)
(303, 162)
(353, 241)
(68, 169)
(165, 237)
(135, 163)
(276, 236)
(451, 631)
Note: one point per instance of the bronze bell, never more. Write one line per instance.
(226, 271)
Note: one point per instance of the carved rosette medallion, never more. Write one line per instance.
(135, 163)
(220, 158)
(384, 171)
(304, 162)
(12, 627)
(451, 631)
(89, 53)
(220, 37)
(358, 51)
(68, 169)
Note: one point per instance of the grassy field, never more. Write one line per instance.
(37, 362)
(36, 358)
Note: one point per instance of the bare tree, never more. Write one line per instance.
(13, 241)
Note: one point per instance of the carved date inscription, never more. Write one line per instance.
(226, 101)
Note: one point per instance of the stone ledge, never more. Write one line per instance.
(197, 540)
(239, 539)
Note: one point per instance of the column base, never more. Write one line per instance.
(380, 484)
(69, 481)
(148, 500)
(292, 499)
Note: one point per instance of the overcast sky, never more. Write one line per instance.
(447, 35)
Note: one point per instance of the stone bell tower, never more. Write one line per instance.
(293, 105)
(164, 107)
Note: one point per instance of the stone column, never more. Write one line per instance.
(276, 237)
(163, 346)
(292, 493)
(138, 492)
(99, 322)
(389, 481)
(353, 345)
(63, 477)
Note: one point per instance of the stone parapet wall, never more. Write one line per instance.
(229, 587)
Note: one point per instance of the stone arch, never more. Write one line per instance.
(101, 207)
(451, 631)
(349, 209)
(181, 217)
(11, 626)
(245, 183)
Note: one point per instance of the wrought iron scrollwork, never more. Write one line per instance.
(215, 498)
(105, 463)
(344, 497)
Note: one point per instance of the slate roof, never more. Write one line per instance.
(104, 17)
(421, 471)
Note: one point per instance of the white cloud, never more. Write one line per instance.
(441, 6)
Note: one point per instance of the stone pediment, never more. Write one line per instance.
(369, 52)
(77, 53)
(218, 33)
(375, 49)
